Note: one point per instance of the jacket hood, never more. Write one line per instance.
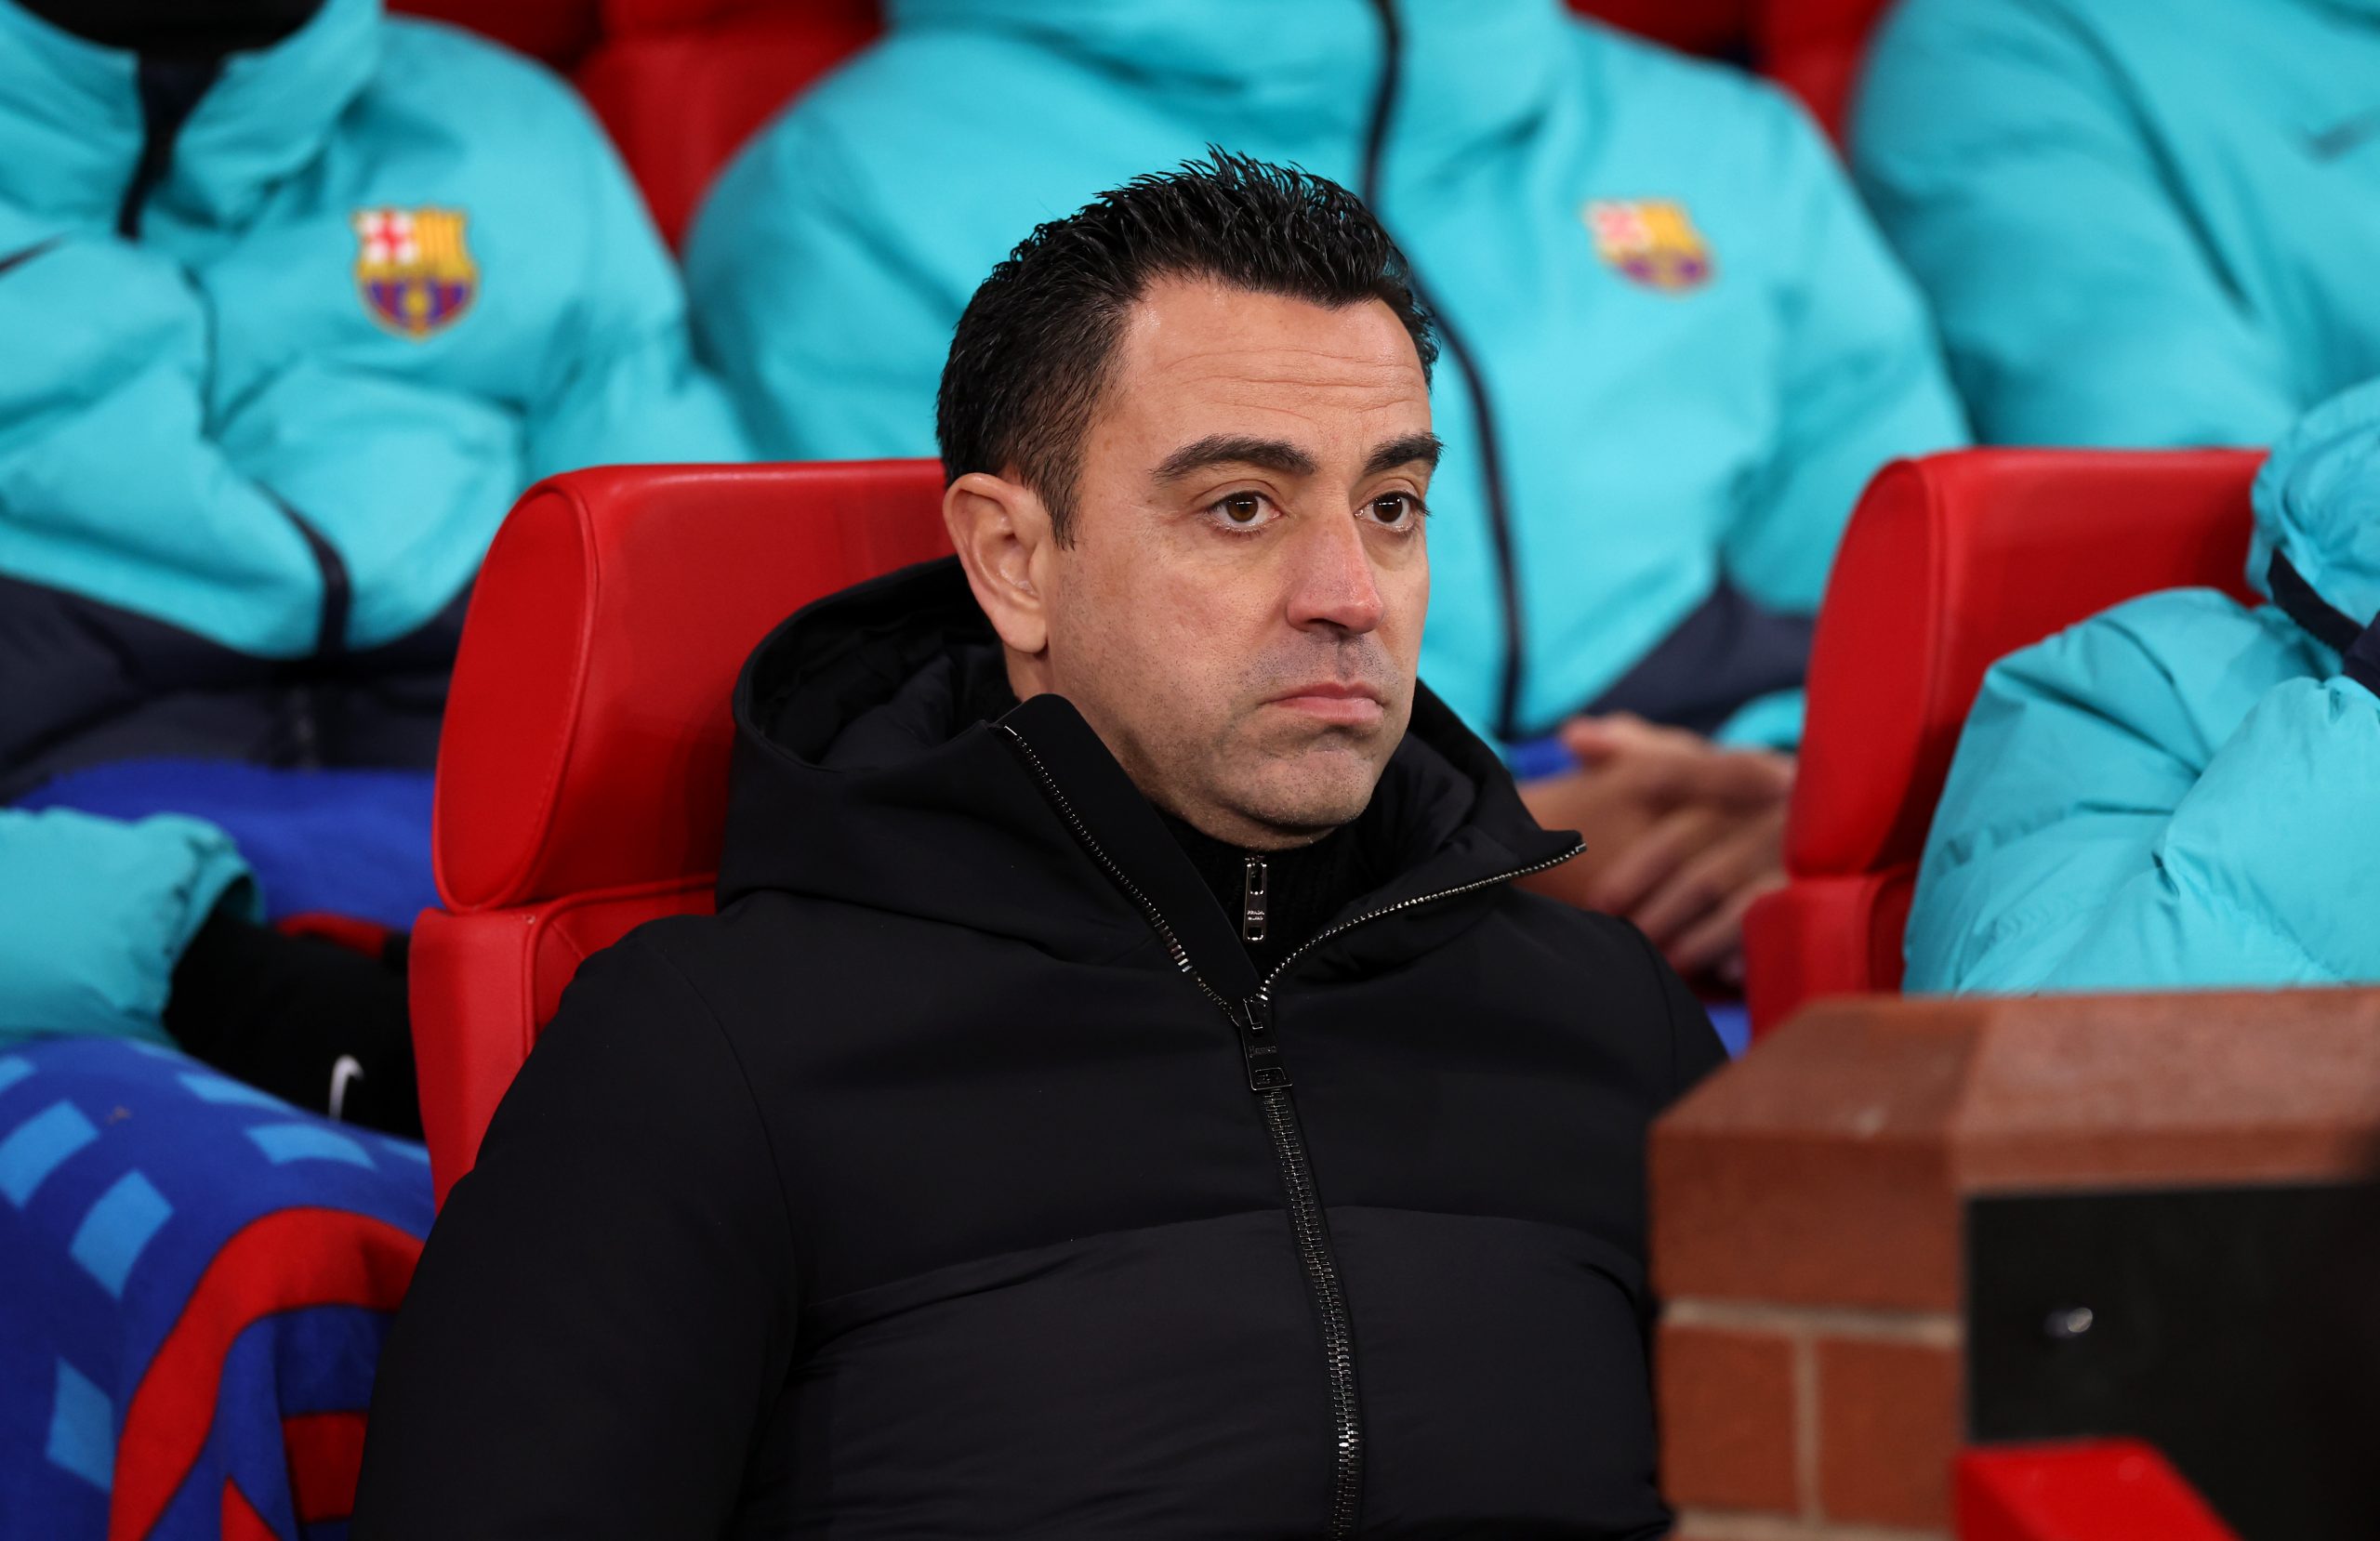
(1300, 70)
(2318, 504)
(70, 127)
(863, 774)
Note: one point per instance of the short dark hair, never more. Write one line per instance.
(1032, 351)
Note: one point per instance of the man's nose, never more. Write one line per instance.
(1334, 584)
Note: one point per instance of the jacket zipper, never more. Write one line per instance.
(1512, 672)
(1268, 1077)
(1251, 901)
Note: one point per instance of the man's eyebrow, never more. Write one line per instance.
(1224, 449)
(1423, 447)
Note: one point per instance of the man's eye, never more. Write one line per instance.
(1245, 509)
(1396, 508)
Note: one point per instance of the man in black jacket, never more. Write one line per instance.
(1147, 1109)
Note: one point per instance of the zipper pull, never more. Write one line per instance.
(1253, 1017)
(1251, 902)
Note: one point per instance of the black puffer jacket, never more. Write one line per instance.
(962, 1178)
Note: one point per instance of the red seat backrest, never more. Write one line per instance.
(1950, 563)
(582, 778)
(1814, 48)
(681, 86)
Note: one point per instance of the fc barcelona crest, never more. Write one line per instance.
(1652, 241)
(413, 270)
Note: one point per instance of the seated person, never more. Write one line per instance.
(2136, 231)
(298, 300)
(2176, 793)
(1121, 1091)
(295, 301)
(1675, 348)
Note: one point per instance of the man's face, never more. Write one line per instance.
(1238, 615)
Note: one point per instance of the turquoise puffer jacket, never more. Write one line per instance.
(1690, 347)
(267, 409)
(2142, 223)
(2180, 792)
(277, 399)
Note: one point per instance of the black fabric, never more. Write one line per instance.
(2356, 642)
(921, 1192)
(282, 1013)
(1303, 887)
(87, 683)
(169, 90)
(2314, 616)
(178, 28)
(1728, 651)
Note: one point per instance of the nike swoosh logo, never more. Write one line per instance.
(345, 1068)
(20, 257)
(2337, 140)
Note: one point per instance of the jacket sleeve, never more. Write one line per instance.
(1861, 382)
(95, 913)
(2098, 833)
(829, 336)
(1993, 141)
(113, 484)
(621, 385)
(605, 1306)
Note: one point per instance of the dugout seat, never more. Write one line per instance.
(1949, 563)
(582, 778)
(681, 86)
(1815, 48)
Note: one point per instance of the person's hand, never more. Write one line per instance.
(1707, 838)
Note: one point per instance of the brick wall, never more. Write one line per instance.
(1808, 1216)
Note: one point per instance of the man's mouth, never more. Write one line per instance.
(1330, 701)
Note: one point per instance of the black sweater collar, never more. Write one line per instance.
(864, 775)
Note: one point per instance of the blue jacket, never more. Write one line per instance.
(1690, 349)
(259, 417)
(2180, 792)
(2142, 222)
(267, 409)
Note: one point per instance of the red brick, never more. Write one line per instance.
(1727, 1416)
(1888, 1430)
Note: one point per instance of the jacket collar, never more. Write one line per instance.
(1290, 71)
(856, 782)
(70, 127)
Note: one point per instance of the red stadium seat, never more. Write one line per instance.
(1814, 50)
(1949, 563)
(2091, 1490)
(681, 86)
(582, 780)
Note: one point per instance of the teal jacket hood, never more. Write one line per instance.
(71, 117)
(2318, 502)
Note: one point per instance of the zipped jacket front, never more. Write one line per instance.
(962, 1176)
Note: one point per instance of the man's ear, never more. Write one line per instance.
(1004, 540)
